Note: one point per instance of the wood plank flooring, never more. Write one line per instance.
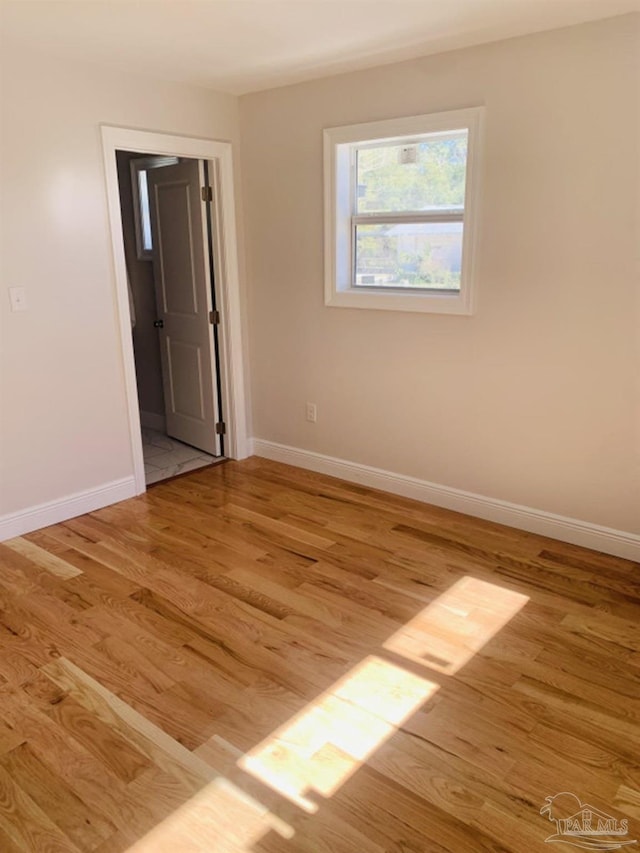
(257, 659)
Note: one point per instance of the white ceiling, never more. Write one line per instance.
(242, 46)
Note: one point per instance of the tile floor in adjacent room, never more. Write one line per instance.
(165, 457)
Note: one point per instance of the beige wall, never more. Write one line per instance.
(536, 398)
(146, 344)
(63, 421)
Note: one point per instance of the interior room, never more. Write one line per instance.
(325, 537)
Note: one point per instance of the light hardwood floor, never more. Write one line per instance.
(256, 659)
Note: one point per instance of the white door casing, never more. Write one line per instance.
(184, 301)
(219, 157)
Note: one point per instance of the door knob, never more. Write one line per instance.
(158, 324)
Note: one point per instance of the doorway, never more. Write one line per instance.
(171, 279)
(206, 405)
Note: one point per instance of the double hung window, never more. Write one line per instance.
(400, 200)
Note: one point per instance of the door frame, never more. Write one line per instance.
(219, 156)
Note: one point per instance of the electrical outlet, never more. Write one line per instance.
(312, 412)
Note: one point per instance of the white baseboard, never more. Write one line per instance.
(606, 539)
(35, 517)
(151, 420)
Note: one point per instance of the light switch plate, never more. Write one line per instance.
(18, 298)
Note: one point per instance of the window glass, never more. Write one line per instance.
(409, 254)
(145, 213)
(141, 205)
(426, 175)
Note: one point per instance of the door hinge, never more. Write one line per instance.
(207, 194)
(214, 318)
(221, 428)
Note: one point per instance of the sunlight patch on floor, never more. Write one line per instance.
(220, 818)
(453, 628)
(320, 748)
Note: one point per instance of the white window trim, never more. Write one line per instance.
(338, 144)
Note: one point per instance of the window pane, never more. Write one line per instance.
(409, 254)
(425, 175)
(145, 214)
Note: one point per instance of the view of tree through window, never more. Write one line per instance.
(421, 187)
(421, 254)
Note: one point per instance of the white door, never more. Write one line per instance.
(183, 296)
